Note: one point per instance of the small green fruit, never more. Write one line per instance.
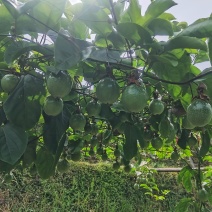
(77, 122)
(9, 82)
(107, 91)
(156, 107)
(53, 106)
(202, 195)
(59, 85)
(93, 108)
(199, 113)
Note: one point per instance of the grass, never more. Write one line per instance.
(86, 188)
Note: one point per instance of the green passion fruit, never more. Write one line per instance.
(192, 141)
(202, 195)
(134, 98)
(157, 143)
(199, 113)
(93, 108)
(63, 165)
(59, 85)
(53, 106)
(77, 122)
(107, 91)
(9, 82)
(156, 107)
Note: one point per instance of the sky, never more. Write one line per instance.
(187, 10)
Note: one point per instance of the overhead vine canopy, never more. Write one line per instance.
(94, 77)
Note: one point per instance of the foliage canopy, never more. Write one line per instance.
(93, 42)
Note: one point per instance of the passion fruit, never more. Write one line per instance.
(199, 113)
(175, 156)
(53, 106)
(59, 85)
(192, 141)
(107, 91)
(202, 195)
(9, 82)
(93, 108)
(134, 98)
(77, 122)
(76, 156)
(116, 165)
(157, 143)
(156, 107)
(63, 165)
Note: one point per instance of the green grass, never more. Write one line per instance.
(86, 188)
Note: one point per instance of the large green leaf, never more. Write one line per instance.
(130, 148)
(6, 20)
(200, 29)
(134, 33)
(155, 9)
(69, 51)
(105, 55)
(12, 7)
(173, 71)
(16, 49)
(48, 13)
(183, 138)
(22, 107)
(183, 205)
(210, 49)
(185, 42)
(205, 144)
(96, 19)
(133, 13)
(55, 127)
(29, 155)
(161, 27)
(13, 143)
(45, 163)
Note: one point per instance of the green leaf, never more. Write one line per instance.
(205, 144)
(183, 138)
(96, 19)
(134, 33)
(130, 146)
(45, 163)
(76, 146)
(185, 42)
(105, 55)
(5, 167)
(16, 49)
(155, 9)
(133, 13)
(6, 20)
(12, 7)
(183, 205)
(22, 107)
(13, 143)
(69, 51)
(200, 29)
(210, 49)
(55, 127)
(48, 13)
(161, 27)
(187, 180)
(29, 155)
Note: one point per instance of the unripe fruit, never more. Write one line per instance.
(107, 91)
(9, 82)
(53, 106)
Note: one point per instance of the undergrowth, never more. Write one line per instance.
(86, 188)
